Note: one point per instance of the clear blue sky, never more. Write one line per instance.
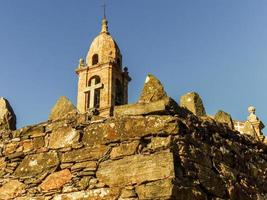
(215, 47)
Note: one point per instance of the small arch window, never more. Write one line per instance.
(94, 79)
(95, 59)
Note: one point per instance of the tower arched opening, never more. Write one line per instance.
(95, 59)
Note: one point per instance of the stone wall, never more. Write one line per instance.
(179, 156)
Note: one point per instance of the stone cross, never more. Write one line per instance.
(94, 86)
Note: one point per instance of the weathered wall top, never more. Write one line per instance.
(150, 150)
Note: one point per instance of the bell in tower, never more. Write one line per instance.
(102, 82)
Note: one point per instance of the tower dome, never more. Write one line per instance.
(103, 48)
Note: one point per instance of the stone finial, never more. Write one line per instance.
(81, 62)
(253, 125)
(7, 115)
(125, 69)
(62, 107)
(153, 90)
(252, 116)
(193, 103)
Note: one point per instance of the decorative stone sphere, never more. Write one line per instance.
(251, 109)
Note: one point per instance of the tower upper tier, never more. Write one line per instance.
(104, 48)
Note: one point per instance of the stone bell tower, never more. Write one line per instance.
(102, 82)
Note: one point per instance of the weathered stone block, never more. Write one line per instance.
(37, 164)
(136, 169)
(161, 189)
(81, 195)
(2, 163)
(38, 142)
(56, 180)
(88, 165)
(95, 194)
(11, 189)
(16, 155)
(163, 106)
(84, 182)
(84, 154)
(63, 137)
(7, 115)
(27, 145)
(120, 129)
(10, 148)
(62, 107)
(211, 182)
(153, 90)
(33, 198)
(31, 131)
(188, 193)
(124, 149)
(159, 142)
(128, 193)
(193, 102)
(225, 118)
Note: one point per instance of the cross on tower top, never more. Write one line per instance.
(104, 9)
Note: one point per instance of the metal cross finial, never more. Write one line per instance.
(104, 8)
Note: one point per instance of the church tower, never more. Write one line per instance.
(102, 82)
